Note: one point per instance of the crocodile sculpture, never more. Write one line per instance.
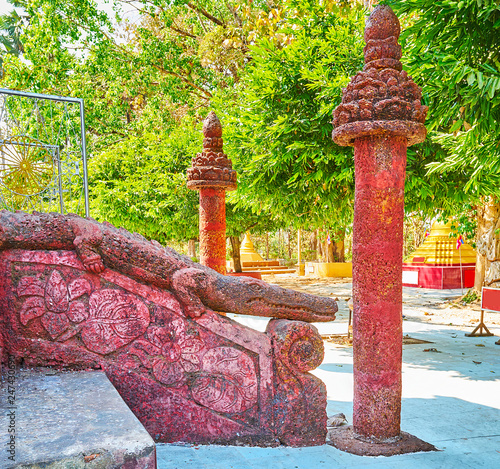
(78, 294)
(198, 288)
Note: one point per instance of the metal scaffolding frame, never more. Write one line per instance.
(50, 146)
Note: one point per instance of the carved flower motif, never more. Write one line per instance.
(116, 318)
(53, 301)
(171, 352)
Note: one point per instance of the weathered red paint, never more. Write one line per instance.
(78, 294)
(380, 116)
(212, 175)
(213, 228)
(377, 285)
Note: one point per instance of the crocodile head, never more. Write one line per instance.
(245, 295)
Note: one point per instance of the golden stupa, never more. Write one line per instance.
(247, 251)
(439, 249)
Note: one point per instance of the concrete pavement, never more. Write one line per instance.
(451, 398)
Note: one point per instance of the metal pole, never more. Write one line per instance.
(461, 273)
(59, 181)
(84, 158)
(39, 96)
(298, 249)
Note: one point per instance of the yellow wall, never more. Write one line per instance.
(329, 269)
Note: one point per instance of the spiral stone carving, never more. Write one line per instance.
(297, 345)
(297, 349)
(382, 99)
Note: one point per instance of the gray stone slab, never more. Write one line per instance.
(70, 420)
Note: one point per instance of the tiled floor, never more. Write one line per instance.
(448, 400)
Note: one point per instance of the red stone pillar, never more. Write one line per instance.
(213, 228)
(377, 285)
(380, 116)
(212, 175)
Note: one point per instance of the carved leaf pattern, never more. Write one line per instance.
(169, 373)
(33, 307)
(55, 324)
(227, 383)
(78, 288)
(30, 286)
(189, 361)
(145, 351)
(77, 312)
(116, 318)
(56, 293)
(178, 351)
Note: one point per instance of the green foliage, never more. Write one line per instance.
(139, 82)
(463, 223)
(133, 76)
(278, 121)
(472, 296)
(273, 71)
(452, 50)
(140, 184)
(11, 26)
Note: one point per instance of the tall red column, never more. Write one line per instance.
(377, 285)
(212, 175)
(380, 116)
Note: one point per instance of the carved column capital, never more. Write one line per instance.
(382, 99)
(212, 168)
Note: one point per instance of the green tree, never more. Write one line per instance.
(452, 50)
(141, 74)
(141, 84)
(278, 119)
(140, 184)
(11, 27)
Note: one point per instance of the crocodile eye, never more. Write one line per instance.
(256, 287)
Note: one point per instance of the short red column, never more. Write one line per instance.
(212, 175)
(213, 228)
(380, 116)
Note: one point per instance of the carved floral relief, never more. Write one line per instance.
(107, 319)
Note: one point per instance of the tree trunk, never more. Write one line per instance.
(480, 272)
(328, 249)
(289, 245)
(335, 248)
(192, 248)
(313, 245)
(235, 252)
(320, 246)
(487, 243)
(339, 247)
(267, 245)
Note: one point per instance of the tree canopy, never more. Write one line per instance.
(273, 71)
(279, 117)
(452, 50)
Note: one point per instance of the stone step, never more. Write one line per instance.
(270, 270)
(264, 268)
(69, 419)
(259, 263)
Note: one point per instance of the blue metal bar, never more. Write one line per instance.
(84, 157)
(40, 96)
